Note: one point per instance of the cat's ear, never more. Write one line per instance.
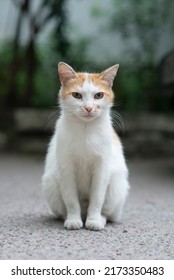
(109, 74)
(66, 73)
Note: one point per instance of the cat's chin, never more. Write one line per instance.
(87, 118)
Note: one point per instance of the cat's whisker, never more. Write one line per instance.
(53, 115)
(116, 104)
(117, 121)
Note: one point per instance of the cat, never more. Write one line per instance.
(85, 177)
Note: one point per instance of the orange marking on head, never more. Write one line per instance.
(73, 84)
(108, 93)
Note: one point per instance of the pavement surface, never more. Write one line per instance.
(29, 231)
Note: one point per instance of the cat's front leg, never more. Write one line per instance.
(70, 197)
(96, 221)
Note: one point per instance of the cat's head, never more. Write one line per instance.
(86, 96)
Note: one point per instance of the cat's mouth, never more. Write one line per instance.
(88, 116)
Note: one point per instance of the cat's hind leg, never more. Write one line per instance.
(52, 191)
(115, 198)
(116, 215)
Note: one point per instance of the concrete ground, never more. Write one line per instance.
(29, 231)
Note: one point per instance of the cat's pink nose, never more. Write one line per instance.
(88, 108)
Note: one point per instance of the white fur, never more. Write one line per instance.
(85, 174)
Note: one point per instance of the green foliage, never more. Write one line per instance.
(44, 81)
(144, 21)
(29, 74)
(129, 91)
(141, 25)
(45, 86)
(5, 59)
(97, 11)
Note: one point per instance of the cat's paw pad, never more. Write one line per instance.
(95, 224)
(73, 224)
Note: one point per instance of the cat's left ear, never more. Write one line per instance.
(109, 74)
(66, 73)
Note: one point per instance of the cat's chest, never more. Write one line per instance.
(83, 174)
(84, 143)
(85, 148)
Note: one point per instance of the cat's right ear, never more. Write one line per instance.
(66, 73)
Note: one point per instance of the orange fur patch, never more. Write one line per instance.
(73, 85)
(108, 93)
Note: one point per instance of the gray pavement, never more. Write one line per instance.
(29, 231)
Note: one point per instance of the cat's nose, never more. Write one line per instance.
(88, 108)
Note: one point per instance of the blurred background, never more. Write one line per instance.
(89, 35)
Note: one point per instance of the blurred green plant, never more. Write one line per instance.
(146, 22)
(141, 25)
(23, 66)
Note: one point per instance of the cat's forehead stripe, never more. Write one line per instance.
(88, 85)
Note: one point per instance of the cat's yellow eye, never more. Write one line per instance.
(99, 95)
(77, 95)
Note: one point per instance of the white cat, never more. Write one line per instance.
(85, 178)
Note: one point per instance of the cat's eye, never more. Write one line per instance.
(99, 95)
(77, 95)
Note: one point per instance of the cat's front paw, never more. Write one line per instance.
(73, 223)
(95, 224)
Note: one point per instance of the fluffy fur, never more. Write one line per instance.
(85, 177)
